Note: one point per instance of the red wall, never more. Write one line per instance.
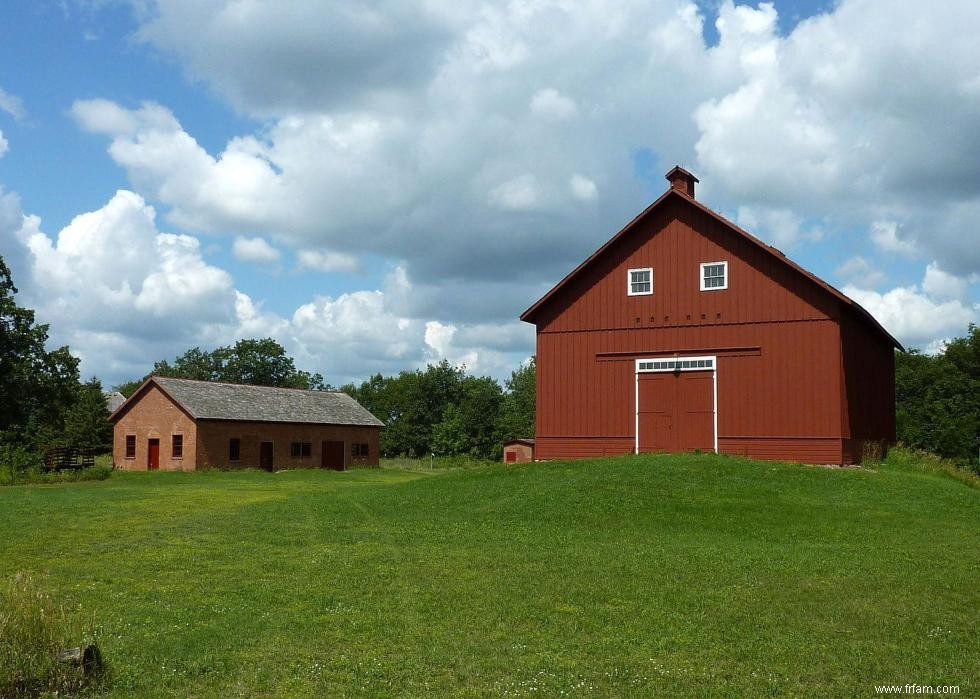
(783, 391)
(154, 416)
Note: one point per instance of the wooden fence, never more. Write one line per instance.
(68, 458)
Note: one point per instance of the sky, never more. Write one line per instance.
(382, 185)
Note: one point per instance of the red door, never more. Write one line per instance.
(265, 456)
(332, 455)
(676, 411)
(153, 455)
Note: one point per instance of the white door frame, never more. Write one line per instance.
(670, 365)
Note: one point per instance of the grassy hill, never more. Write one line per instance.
(691, 575)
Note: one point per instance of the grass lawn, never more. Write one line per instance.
(688, 575)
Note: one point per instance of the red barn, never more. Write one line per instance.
(684, 332)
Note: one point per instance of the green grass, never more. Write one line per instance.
(685, 575)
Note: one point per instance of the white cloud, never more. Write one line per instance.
(943, 285)
(919, 317)
(490, 143)
(12, 105)
(837, 121)
(327, 261)
(3, 145)
(519, 193)
(551, 104)
(254, 250)
(884, 234)
(858, 272)
(583, 188)
(123, 294)
(780, 227)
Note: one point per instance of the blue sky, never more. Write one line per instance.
(386, 186)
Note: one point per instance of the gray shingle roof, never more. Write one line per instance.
(114, 400)
(228, 401)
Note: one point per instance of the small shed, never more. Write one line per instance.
(518, 451)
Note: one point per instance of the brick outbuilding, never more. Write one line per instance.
(518, 451)
(178, 424)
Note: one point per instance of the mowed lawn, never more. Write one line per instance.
(685, 575)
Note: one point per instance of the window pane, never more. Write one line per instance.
(234, 449)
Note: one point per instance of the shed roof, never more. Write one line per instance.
(528, 316)
(208, 400)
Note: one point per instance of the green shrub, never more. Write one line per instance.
(926, 462)
(33, 629)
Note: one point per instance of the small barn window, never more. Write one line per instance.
(177, 446)
(714, 275)
(234, 449)
(640, 281)
(130, 446)
(301, 450)
(359, 451)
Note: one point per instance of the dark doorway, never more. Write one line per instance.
(332, 455)
(265, 456)
(153, 455)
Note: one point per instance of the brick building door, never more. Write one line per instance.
(153, 455)
(332, 455)
(265, 456)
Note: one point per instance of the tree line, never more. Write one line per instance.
(444, 411)
(938, 399)
(43, 402)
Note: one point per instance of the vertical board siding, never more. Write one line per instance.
(669, 243)
(759, 395)
(868, 383)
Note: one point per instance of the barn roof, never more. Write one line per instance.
(208, 400)
(530, 313)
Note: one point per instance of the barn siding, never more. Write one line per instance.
(772, 381)
(868, 384)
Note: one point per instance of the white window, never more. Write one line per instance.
(714, 276)
(640, 281)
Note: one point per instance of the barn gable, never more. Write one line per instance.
(675, 234)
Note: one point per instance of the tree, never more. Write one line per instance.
(38, 386)
(259, 362)
(86, 423)
(517, 411)
(938, 398)
(437, 409)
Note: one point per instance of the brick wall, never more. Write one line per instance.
(214, 437)
(154, 416)
(522, 453)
